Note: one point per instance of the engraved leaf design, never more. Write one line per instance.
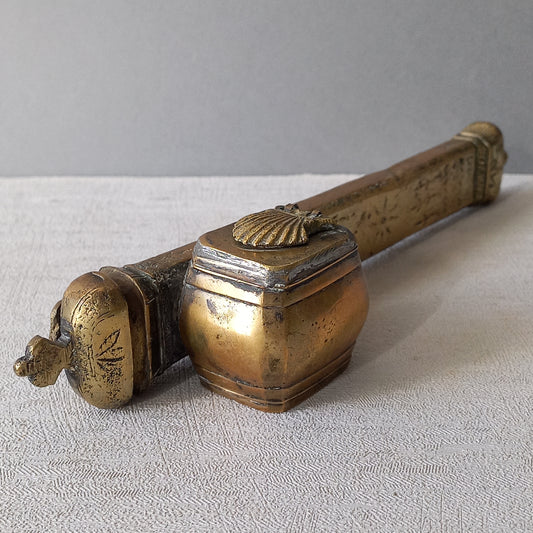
(108, 344)
(108, 352)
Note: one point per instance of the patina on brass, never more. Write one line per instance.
(113, 331)
(385, 207)
(90, 339)
(267, 327)
(272, 306)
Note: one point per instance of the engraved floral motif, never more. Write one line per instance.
(109, 354)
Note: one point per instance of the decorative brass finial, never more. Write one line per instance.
(90, 338)
(280, 227)
(43, 362)
(490, 159)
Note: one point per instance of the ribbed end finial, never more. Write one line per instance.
(490, 159)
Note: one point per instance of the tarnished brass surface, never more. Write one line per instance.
(283, 320)
(281, 227)
(251, 338)
(112, 332)
(92, 343)
(45, 359)
(269, 327)
(385, 207)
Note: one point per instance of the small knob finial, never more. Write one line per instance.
(43, 362)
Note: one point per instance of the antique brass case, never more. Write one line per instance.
(268, 327)
(91, 339)
(113, 331)
(273, 304)
(94, 315)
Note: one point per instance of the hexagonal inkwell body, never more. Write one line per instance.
(269, 326)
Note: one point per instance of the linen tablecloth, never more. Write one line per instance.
(429, 429)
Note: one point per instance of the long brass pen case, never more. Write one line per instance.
(268, 308)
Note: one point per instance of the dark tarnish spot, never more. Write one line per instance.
(279, 316)
(211, 306)
(273, 364)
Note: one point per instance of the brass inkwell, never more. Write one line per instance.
(268, 308)
(271, 310)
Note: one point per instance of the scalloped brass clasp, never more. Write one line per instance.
(284, 226)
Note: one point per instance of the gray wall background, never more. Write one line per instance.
(236, 87)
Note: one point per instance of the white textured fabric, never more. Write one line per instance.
(429, 429)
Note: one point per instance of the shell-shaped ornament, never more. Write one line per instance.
(280, 227)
